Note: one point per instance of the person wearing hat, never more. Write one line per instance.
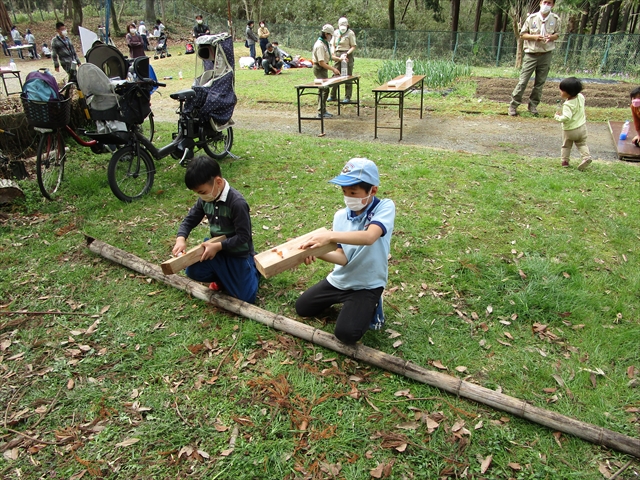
(271, 61)
(344, 44)
(250, 39)
(363, 232)
(142, 31)
(321, 58)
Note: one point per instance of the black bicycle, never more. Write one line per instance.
(131, 168)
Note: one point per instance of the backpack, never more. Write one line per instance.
(189, 49)
(41, 87)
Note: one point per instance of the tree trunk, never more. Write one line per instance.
(625, 18)
(604, 23)
(615, 16)
(77, 16)
(448, 383)
(455, 20)
(114, 19)
(150, 11)
(5, 21)
(497, 28)
(476, 22)
(584, 18)
(392, 14)
(29, 9)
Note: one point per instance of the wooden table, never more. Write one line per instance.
(10, 73)
(397, 89)
(318, 88)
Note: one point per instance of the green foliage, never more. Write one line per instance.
(484, 252)
(438, 74)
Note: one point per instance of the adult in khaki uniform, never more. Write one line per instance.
(321, 58)
(344, 44)
(539, 32)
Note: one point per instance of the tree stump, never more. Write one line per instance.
(9, 191)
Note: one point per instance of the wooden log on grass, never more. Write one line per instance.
(189, 258)
(289, 255)
(455, 386)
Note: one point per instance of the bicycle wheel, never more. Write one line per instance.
(148, 127)
(50, 163)
(130, 173)
(219, 144)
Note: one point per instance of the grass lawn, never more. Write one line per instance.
(508, 272)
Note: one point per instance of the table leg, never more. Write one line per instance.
(421, 95)
(5, 86)
(401, 112)
(375, 122)
(338, 97)
(323, 109)
(357, 82)
(299, 121)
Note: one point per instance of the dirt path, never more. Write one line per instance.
(529, 137)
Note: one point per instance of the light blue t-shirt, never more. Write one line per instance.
(367, 265)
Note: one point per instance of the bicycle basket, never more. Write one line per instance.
(135, 102)
(53, 114)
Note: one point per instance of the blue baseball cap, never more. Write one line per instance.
(358, 170)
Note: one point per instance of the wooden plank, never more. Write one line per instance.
(288, 255)
(399, 84)
(183, 261)
(624, 148)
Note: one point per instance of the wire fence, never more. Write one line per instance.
(605, 54)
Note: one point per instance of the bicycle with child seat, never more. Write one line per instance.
(131, 168)
(52, 120)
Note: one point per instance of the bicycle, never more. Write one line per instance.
(47, 118)
(131, 169)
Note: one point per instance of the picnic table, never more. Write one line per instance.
(314, 88)
(18, 48)
(397, 89)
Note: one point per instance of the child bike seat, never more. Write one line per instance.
(183, 95)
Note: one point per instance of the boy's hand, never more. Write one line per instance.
(210, 250)
(309, 260)
(318, 240)
(180, 246)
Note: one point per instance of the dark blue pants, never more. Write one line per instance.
(238, 276)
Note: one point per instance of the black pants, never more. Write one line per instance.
(358, 308)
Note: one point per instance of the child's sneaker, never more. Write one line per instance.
(585, 163)
(377, 322)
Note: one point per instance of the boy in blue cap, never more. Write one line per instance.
(363, 232)
(229, 264)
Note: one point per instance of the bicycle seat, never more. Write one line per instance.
(183, 95)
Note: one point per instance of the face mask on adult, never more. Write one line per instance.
(636, 102)
(545, 9)
(64, 33)
(356, 204)
(343, 29)
(199, 22)
(132, 30)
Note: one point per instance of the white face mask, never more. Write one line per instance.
(64, 33)
(132, 30)
(199, 22)
(545, 9)
(356, 204)
(343, 29)
(210, 197)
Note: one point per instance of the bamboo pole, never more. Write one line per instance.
(455, 386)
